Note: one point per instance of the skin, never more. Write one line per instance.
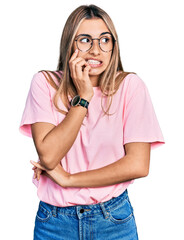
(89, 27)
(53, 142)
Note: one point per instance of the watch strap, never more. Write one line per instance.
(77, 101)
(83, 103)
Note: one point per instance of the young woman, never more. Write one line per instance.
(93, 126)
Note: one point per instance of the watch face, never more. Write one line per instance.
(75, 100)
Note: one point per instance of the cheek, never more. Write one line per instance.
(81, 54)
(107, 59)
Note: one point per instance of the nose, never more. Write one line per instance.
(95, 47)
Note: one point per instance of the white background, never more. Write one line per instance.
(151, 43)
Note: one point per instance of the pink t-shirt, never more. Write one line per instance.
(100, 140)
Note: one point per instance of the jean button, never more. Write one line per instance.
(82, 210)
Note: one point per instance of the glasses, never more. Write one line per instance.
(84, 42)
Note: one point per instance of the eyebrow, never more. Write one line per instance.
(87, 35)
(104, 33)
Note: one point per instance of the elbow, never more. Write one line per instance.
(143, 171)
(47, 159)
(139, 173)
(48, 164)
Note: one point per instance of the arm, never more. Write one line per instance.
(135, 164)
(53, 142)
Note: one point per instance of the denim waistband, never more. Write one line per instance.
(81, 210)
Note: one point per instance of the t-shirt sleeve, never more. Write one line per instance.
(140, 121)
(39, 106)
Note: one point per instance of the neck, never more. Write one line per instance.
(95, 80)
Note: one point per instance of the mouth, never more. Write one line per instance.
(94, 63)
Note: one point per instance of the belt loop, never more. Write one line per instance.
(54, 211)
(105, 213)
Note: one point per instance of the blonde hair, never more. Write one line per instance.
(109, 81)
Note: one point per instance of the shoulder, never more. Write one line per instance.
(38, 81)
(133, 79)
(39, 78)
(46, 79)
(131, 85)
(132, 82)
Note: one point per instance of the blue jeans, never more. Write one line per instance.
(111, 220)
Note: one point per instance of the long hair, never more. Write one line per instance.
(109, 80)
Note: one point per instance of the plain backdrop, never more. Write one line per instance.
(151, 43)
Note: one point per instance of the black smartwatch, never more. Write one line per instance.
(77, 101)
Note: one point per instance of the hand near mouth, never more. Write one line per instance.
(79, 70)
(94, 62)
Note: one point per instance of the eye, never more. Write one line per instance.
(105, 39)
(84, 40)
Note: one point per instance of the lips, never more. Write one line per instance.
(90, 61)
(94, 62)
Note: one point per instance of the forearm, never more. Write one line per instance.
(123, 170)
(59, 140)
(135, 164)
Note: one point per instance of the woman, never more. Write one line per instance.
(93, 126)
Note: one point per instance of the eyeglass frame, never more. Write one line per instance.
(87, 35)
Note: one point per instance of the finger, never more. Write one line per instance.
(81, 63)
(34, 175)
(74, 55)
(86, 71)
(35, 164)
(79, 66)
(78, 59)
(73, 66)
(38, 177)
(38, 165)
(38, 174)
(39, 170)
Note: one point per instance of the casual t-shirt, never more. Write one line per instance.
(100, 140)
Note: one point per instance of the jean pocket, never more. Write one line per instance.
(43, 215)
(122, 213)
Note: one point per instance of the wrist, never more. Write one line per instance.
(86, 97)
(66, 182)
(70, 181)
(79, 101)
(60, 176)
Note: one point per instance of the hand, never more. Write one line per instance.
(58, 174)
(37, 172)
(79, 70)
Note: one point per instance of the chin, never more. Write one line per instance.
(95, 72)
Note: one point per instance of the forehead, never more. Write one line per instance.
(93, 27)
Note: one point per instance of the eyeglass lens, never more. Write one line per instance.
(84, 43)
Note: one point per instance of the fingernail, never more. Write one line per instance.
(76, 50)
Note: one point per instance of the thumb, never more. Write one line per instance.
(38, 165)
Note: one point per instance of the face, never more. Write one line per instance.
(96, 58)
